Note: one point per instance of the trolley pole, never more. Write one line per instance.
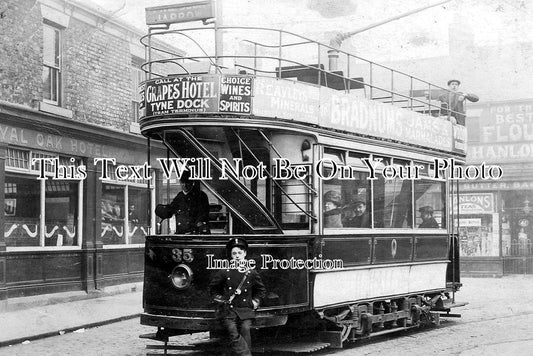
(218, 33)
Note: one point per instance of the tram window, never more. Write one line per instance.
(355, 159)
(218, 212)
(292, 202)
(138, 214)
(392, 203)
(425, 168)
(334, 155)
(430, 204)
(346, 203)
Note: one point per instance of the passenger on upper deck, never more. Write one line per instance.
(453, 102)
(190, 206)
(332, 209)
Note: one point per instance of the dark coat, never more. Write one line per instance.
(223, 285)
(430, 223)
(361, 221)
(191, 210)
(451, 101)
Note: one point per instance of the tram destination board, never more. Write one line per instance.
(197, 94)
(169, 14)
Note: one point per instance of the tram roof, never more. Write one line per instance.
(270, 81)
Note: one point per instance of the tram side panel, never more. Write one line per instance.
(176, 293)
(380, 267)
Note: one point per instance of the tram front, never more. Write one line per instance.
(257, 176)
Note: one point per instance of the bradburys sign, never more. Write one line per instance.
(355, 114)
(289, 100)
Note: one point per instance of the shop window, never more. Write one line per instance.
(61, 208)
(478, 225)
(51, 64)
(40, 212)
(18, 159)
(112, 210)
(22, 210)
(125, 215)
(517, 223)
(138, 214)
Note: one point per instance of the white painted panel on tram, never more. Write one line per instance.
(343, 286)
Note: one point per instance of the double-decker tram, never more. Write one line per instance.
(333, 168)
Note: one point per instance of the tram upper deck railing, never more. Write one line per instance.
(338, 90)
(282, 54)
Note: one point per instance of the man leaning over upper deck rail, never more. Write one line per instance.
(453, 102)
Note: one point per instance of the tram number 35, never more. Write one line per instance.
(182, 255)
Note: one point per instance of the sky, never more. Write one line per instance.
(425, 34)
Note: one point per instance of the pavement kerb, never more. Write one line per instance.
(68, 330)
(21, 303)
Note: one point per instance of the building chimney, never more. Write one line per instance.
(333, 56)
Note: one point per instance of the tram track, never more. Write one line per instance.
(314, 347)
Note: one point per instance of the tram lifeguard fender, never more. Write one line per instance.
(163, 211)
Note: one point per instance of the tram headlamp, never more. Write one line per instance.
(181, 276)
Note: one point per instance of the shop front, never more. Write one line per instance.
(496, 215)
(71, 220)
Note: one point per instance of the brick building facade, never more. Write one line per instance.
(68, 85)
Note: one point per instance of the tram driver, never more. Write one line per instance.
(190, 208)
(428, 221)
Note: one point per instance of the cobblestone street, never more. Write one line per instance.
(496, 322)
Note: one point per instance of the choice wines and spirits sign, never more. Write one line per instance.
(196, 94)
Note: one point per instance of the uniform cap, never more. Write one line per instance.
(333, 196)
(237, 242)
(427, 208)
(185, 176)
(162, 211)
(454, 81)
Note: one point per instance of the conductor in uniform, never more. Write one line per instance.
(238, 293)
(190, 207)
